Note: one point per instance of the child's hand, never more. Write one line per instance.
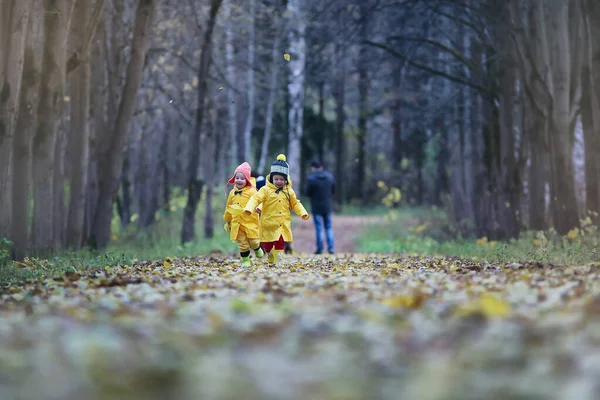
(305, 217)
(258, 211)
(227, 227)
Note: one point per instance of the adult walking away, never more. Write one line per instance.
(320, 188)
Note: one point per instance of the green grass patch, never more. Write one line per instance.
(129, 245)
(421, 233)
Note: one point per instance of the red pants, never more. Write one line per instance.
(278, 245)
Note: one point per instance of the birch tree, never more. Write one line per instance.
(272, 96)
(296, 64)
(251, 97)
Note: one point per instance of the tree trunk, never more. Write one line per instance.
(80, 111)
(363, 110)
(297, 64)
(565, 205)
(590, 105)
(58, 184)
(339, 87)
(509, 193)
(25, 129)
(14, 15)
(209, 171)
(195, 184)
(110, 160)
(251, 101)
(397, 145)
(536, 134)
(51, 106)
(230, 68)
(275, 57)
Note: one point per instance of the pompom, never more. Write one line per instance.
(281, 157)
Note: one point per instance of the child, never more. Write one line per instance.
(241, 227)
(277, 199)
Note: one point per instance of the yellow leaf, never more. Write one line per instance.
(286, 56)
(407, 301)
(166, 264)
(67, 99)
(487, 305)
(221, 88)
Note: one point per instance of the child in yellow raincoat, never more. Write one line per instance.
(273, 202)
(241, 227)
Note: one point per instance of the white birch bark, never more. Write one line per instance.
(251, 100)
(276, 56)
(297, 63)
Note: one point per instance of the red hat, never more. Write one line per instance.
(245, 169)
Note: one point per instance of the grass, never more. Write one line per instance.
(129, 245)
(423, 232)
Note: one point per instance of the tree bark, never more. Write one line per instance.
(79, 140)
(51, 105)
(230, 68)
(209, 171)
(14, 15)
(25, 129)
(110, 160)
(363, 109)
(275, 57)
(590, 105)
(339, 92)
(296, 81)
(195, 184)
(251, 100)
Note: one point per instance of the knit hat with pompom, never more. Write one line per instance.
(280, 167)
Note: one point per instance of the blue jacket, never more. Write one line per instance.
(320, 187)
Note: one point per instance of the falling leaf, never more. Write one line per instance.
(220, 87)
(67, 99)
(287, 57)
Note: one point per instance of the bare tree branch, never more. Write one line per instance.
(481, 89)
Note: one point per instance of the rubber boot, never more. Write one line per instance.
(278, 256)
(259, 252)
(271, 257)
(246, 261)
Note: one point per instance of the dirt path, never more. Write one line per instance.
(346, 229)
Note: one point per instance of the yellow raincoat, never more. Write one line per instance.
(234, 213)
(276, 218)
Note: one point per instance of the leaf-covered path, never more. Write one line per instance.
(346, 229)
(356, 327)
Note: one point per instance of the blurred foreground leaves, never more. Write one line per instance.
(344, 327)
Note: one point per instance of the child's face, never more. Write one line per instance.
(240, 180)
(278, 181)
